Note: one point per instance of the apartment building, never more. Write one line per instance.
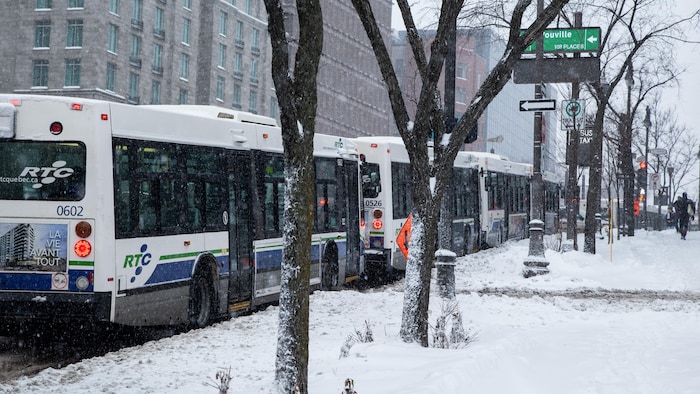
(186, 52)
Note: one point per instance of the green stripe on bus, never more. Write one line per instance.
(190, 254)
(82, 263)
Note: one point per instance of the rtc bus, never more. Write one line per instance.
(156, 215)
(490, 201)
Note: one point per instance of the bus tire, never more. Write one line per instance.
(329, 266)
(201, 300)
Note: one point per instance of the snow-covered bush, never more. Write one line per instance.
(458, 337)
(222, 380)
(357, 337)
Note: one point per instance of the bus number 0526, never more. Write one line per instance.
(69, 210)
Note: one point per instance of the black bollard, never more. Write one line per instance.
(445, 264)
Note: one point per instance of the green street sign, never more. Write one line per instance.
(585, 39)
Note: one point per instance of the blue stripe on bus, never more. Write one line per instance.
(169, 272)
(270, 260)
(25, 281)
(40, 281)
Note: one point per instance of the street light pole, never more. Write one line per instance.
(626, 149)
(647, 125)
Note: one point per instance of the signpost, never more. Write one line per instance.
(585, 39)
(537, 105)
(574, 114)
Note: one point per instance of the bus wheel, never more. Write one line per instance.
(200, 300)
(329, 266)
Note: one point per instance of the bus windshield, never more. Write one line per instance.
(371, 183)
(49, 171)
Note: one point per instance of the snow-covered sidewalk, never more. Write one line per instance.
(534, 344)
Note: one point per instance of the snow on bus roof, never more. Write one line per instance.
(213, 111)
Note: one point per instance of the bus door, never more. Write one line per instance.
(240, 234)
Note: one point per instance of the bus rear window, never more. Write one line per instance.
(37, 170)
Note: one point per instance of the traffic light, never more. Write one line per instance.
(640, 176)
(636, 207)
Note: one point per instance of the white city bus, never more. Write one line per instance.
(490, 201)
(504, 188)
(155, 215)
(386, 175)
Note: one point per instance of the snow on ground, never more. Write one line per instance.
(531, 340)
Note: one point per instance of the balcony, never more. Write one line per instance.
(135, 61)
(159, 33)
(137, 24)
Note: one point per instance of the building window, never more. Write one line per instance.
(135, 46)
(155, 92)
(249, 7)
(72, 72)
(461, 95)
(461, 71)
(111, 77)
(184, 66)
(158, 26)
(255, 39)
(223, 23)
(254, 70)
(253, 102)
(137, 15)
(182, 97)
(221, 59)
(239, 31)
(238, 62)
(75, 33)
(273, 107)
(42, 34)
(112, 38)
(133, 87)
(220, 88)
(40, 77)
(158, 59)
(187, 4)
(186, 31)
(76, 3)
(236, 96)
(43, 4)
(114, 7)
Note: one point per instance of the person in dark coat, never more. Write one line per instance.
(685, 209)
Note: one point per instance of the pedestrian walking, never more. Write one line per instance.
(670, 218)
(685, 211)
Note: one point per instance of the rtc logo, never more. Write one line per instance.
(138, 260)
(47, 175)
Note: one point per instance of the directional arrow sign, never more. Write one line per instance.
(537, 105)
(569, 40)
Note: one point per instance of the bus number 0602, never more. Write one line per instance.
(69, 210)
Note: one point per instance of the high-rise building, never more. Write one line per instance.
(187, 52)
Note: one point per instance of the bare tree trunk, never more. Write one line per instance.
(297, 97)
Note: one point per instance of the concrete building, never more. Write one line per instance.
(187, 52)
